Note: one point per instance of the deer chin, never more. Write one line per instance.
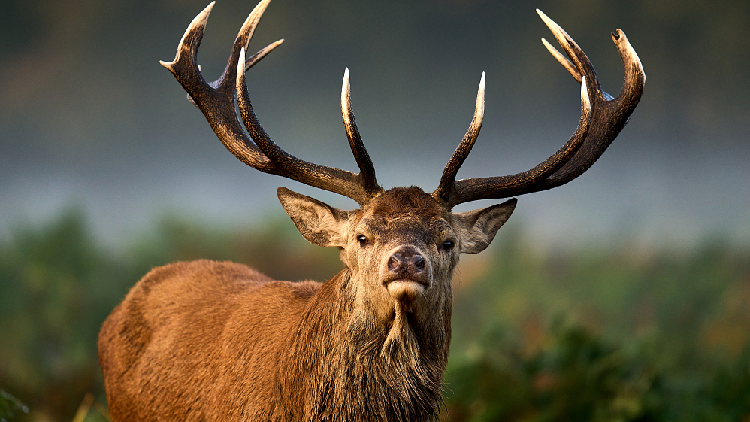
(406, 292)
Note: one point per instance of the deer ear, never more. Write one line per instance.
(477, 228)
(318, 222)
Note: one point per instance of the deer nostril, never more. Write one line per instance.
(419, 263)
(394, 263)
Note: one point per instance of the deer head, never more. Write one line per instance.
(400, 248)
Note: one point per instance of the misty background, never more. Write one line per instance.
(90, 120)
(635, 275)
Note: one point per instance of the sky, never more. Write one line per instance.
(90, 120)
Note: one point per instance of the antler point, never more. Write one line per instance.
(241, 62)
(345, 90)
(585, 94)
(627, 51)
(480, 101)
(203, 15)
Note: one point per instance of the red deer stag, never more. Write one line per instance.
(217, 341)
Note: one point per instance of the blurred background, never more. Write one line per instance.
(624, 295)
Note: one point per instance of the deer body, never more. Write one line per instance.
(240, 359)
(371, 341)
(218, 341)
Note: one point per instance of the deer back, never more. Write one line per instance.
(173, 337)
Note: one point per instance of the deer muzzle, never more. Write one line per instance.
(406, 275)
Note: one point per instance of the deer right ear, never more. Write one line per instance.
(477, 228)
(318, 222)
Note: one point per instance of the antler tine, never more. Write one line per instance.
(327, 178)
(447, 181)
(602, 118)
(468, 190)
(366, 168)
(570, 67)
(610, 115)
(578, 64)
(252, 61)
(187, 49)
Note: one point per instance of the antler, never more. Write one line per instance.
(216, 101)
(602, 119)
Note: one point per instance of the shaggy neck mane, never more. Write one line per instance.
(346, 365)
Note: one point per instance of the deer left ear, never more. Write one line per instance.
(477, 228)
(318, 222)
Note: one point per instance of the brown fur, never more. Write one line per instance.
(218, 341)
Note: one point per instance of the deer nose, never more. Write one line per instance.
(406, 261)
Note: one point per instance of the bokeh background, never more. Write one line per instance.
(620, 296)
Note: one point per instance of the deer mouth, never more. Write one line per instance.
(406, 289)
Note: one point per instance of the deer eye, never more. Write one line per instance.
(362, 239)
(448, 245)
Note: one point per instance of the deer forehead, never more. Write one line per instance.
(406, 202)
(404, 229)
(405, 211)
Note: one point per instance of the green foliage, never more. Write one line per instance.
(598, 335)
(655, 336)
(56, 291)
(576, 377)
(10, 406)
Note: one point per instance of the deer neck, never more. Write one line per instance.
(389, 368)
